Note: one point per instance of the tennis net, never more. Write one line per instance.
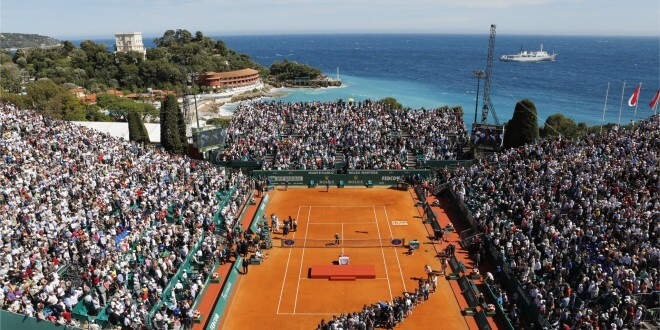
(357, 243)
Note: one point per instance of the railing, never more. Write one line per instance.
(168, 289)
(9, 320)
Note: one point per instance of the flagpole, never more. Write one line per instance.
(636, 103)
(602, 121)
(623, 92)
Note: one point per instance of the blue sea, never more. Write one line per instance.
(434, 70)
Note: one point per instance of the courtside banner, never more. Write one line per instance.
(221, 303)
(352, 178)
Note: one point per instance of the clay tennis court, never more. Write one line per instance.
(279, 293)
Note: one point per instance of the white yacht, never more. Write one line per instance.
(527, 56)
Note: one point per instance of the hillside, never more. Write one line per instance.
(168, 66)
(22, 40)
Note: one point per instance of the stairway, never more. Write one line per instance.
(411, 161)
(405, 133)
(339, 159)
(269, 159)
(288, 128)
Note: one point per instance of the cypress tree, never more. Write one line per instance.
(134, 133)
(523, 127)
(169, 130)
(181, 123)
(144, 134)
(163, 120)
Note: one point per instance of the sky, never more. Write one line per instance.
(76, 19)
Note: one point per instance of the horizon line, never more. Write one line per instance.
(258, 34)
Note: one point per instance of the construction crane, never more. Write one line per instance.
(488, 105)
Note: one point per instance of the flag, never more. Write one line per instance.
(633, 99)
(654, 101)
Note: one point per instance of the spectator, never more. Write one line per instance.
(79, 201)
(577, 222)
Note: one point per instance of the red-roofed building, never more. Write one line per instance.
(78, 92)
(238, 78)
(114, 92)
(89, 99)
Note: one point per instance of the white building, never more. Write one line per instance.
(130, 41)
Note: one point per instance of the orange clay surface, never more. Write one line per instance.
(278, 294)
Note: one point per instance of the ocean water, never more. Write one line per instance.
(434, 70)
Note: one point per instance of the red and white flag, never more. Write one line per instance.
(633, 99)
(654, 101)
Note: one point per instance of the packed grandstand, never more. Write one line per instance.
(355, 135)
(122, 215)
(576, 222)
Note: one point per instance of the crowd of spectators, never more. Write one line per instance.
(385, 315)
(369, 135)
(576, 222)
(122, 216)
(255, 130)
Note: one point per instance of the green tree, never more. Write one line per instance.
(523, 127)
(181, 123)
(143, 132)
(136, 130)
(50, 99)
(5, 58)
(92, 65)
(222, 121)
(15, 99)
(10, 78)
(134, 133)
(286, 70)
(94, 113)
(170, 138)
(557, 124)
(120, 107)
(392, 103)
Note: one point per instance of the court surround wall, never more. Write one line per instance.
(352, 178)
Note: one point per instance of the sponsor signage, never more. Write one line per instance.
(221, 304)
(286, 178)
(359, 172)
(352, 178)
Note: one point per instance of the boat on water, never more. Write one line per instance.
(529, 56)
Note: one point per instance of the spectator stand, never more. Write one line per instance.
(224, 197)
(9, 320)
(500, 311)
(189, 267)
(511, 283)
(214, 287)
(81, 310)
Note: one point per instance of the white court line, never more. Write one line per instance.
(382, 251)
(302, 258)
(286, 269)
(341, 206)
(341, 223)
(308, 313)
(396, 253)
(342, 237)
(377, 278)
